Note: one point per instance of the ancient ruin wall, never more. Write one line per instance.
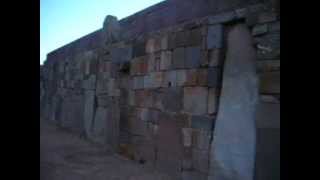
(154, 96)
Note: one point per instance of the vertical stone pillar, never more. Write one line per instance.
(233, 148)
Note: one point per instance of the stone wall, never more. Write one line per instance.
(153, 97)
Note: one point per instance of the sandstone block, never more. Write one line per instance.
(192, 57)
(195, 100)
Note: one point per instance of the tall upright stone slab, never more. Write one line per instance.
(233, 148)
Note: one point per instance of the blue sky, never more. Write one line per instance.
(63, 21)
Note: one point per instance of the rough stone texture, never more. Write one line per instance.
(89, 112)
(178, 58)
(215, 37)
(192, 57)
(233, 147)
(195, 100)
(166, 60)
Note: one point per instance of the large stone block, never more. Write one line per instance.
(215, 36)
(156, 79)
(166, 60)
(201, 139)
(192, 57)
(139, 49)
(214, 76)
(181, 38)
(121, 55)
(164, 42)
(194, 37)
(89, 111)
(195, 100)
(138, 82)
(178, 58)
(202, 122)
(181, 77)
(153, 45)
(200, 160)
(147, 82)
(170, 79)
(202, 77)
(192, 76)
(172, 99)
(90, 83)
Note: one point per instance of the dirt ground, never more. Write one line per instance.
(65, 156)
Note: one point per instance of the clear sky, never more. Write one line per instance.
(63, 21)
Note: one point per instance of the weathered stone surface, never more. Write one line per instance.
(156, 79)
(187, 137)
(170, 79)
(139, 49)
(194, 175)
(202, 122)
(268, 115)
(103, 100)
(201, 139)
(111, 30)
(181, 77)
(215, 57)
(200, 160)
(138, 82)
(202, 78)
(195, 100)
(270, 82)
(180, 38)
(192, 57)
(147, 82)
(233, 147)
(90, 83)
(172, 99)
(178, 58)
(212, 101)
(164, 42)
(150, 45)
(259, 29)
(89, 111)
(99, 125)
(166, 60)
(192, 76)
(194, 37)
(214, 77)
(268, 65)
(121, 54)
(215, 36)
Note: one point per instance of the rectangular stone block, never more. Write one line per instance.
(215, 36)
(138, 82)
(156, 79)
(147, 82)
(121, 55)
(192, 58)
(195, 100)
(202, 78)
(164, 42)
(99, 126)
(88, 111)
(259, 29)
(204, 58)
(178, 58)
(166, 60)
(200, 160)
(201, 139)
(181, 77)
(180, 38)
(146, 99)
(194, 37)
(192, 76)
(134, 67)
(139, 49)
(154, 116)
(214, 76)
(150, 45)
(157, 99)
(202, 122)
(131, 97)
(170, 79)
